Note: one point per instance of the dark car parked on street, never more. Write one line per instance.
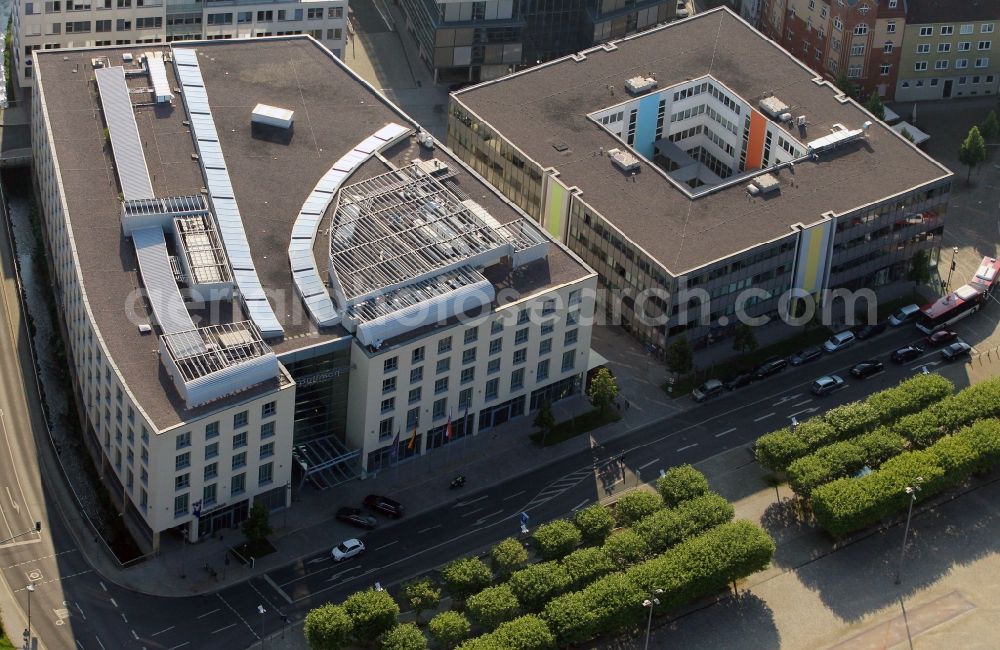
(863, 332)
(956, 350)
(867, 368)
(738, 381)
(906, 353)
(355, 517)
(384, 505)
(806, 355)
(770, 367)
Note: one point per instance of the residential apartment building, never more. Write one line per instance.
(718, 181)
(55, 24)
(215, 371)
(948, 50)
(472, 41)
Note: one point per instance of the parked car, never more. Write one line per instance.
(941, 337)
(682, 10)
(384, 505)
(956, 350)
(738, 381)
(827, 384)
(355, 517)
(347, 549)
(907, 353)
(904, 315)
(867, 368)
(770, 367)
(863, 332)
(711, 388)
(839, 341)
(805, 356)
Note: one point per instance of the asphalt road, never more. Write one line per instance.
(73, 606)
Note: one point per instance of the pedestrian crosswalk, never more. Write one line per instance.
(559, 486)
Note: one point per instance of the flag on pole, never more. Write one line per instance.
(448, 429)
(413, 438)
(394, 450)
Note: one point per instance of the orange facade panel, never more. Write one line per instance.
(755, 143)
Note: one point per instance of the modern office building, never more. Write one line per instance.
(724, 167)
(473, 41)
(948, 50)
(55, 24)
(269, 275)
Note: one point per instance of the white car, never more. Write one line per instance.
(839, 341)
(682, 10)
(347, 549)
(904, 315)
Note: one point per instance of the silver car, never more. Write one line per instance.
(827, 384)
(347, 549)
(839, 341)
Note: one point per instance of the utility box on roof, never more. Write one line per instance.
(272, 116)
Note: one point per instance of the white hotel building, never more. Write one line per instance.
(271, 284)
(57, 24)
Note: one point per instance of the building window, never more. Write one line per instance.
(838, 24)
(208, 495)
(443, 365)
(517, 379)
(265, 474)
(211, 450)
(523, 316)
(923, 48)
(268, 409)
(964, 46)
(211, 430)
(385, 429)
(920, 66)
(890, 27)
(239, 485)
(574, 297)
(388, 404)
(241, 419)
(492, 389)
(857, 50)
(417, 356)
(412, 418)
(211, 471)
(496, 327)
(267, 430)
(883, 69)
(966, 29)
(444, 345)
(521, 336)
(984, 45)
(860, 29)
(439, 408)
(182, 461)
(468, 356)
(887, 48)
(542, 371)
(944, 47)
(465, 398)
(441, 386)
(572, 318)
(414, 396)
(926, 31)
(144, 476)
(182, 482)
(391, 364)
(240, 460)
(568, 360)
(947, 30)
(544, 346)
(335, 12)
(468, 374)
(982, 62)
(388, 385)
(986, 28)
(520, 356)
(180, 505)
(240, 440)
(941, 64)
(471, 335)
(183, 440)
(547, 327)
(496, 345)
(416, 374)
(315, 13)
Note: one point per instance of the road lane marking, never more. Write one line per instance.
(726, 432)
(80, 609)
(652, 462)
(114, 602)
(687, 447)
(180, 645)
(386, 545)
(811, 409)
(99, 643)
(580, 505)
(17, 479)
(80, 644)
(763, 417)
(485, 517)
(223, 629)
(802, 403)
(103, 586)
(462, 504)
(124, 619)
(10, 496)
(249, 627)
(163, 631)
(134, 635)
(45, 557)
(514, 496)
(427, 530)
(274, 585)
(786, 398)
(214, 611)
(471, 512)
(326, 568)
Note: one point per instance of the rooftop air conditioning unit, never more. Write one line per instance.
(637, 85)
(623, 160)
(801, 120)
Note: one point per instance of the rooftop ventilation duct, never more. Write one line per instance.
(272, 116)
(623, 160)
(765, 183)
(638, 85)
(774, 107)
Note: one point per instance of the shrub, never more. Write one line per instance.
(507, 557)
(327, 627)
(372, 613)
(525, 633)
(493, 606)
(449, 628)
(635, 505)
(625, 548)
(404, 637)
(681, 484)
(556, 538)
(973, 403)
(586, 565)
(571, 618)
(776, 450)
(595, 523)
(420, 595)
(466, 576)
(665, 528)
(537, 584)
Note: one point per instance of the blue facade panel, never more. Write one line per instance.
(645, 125)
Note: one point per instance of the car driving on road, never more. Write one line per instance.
(867, 368)
(906, 353)
(355, 517)
(941, 337)
(839, 341)
(347, 549)
(827, 384)
(384, 505)
(956, 350)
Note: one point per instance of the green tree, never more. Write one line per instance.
(602, 390)
(585, 565)
(539, 583)
(421, 594)
(256, 527)
(972, 152)
(525, 633)
(920, 268)
(625, 548)
(680, 484)
(404, 637)
(466, 576)
(991, 127)
(556, 538)
(744, 339)
(846, 85)
(545, 420)
(327, 627)
(507, 557)
(449, 628)
(875, 105)
(679, 356)
(493, 606)
(906, 134)
(595, 523)
(373, 613)
(635, 505)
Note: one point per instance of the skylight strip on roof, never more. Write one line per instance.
(130, 159)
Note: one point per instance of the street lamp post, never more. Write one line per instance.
(261, 611)
(650, 603)
(954, 252)
(912, 492)
(27, 633)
